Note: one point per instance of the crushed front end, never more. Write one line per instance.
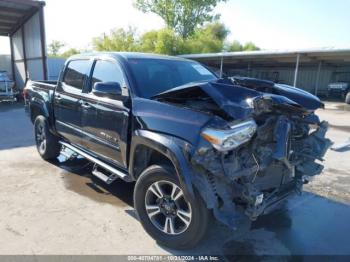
(261, 145)
(280, 148)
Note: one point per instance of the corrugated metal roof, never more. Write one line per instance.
(273, 52)
(14, 13)
(327, 55)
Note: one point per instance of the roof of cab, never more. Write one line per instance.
(129, 55)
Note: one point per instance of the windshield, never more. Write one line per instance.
(154, 76)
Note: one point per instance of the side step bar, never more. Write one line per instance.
(101, 175)
(115, 172)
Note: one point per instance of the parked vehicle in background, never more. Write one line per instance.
(193, 143)
(339, 89)
(7, 92)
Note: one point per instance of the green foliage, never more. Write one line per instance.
(118, 40)
(207, 39)
(191, 28)
(70, 52)
(249, 46)
(54, 48)
(235, 46)
(148, 41)
(183, 16)
(163, 41)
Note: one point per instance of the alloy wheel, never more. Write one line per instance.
(41, 137)
(167, 207)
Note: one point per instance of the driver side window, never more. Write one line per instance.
(106, 71)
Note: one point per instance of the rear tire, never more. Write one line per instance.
(347, 98)
(46, 143)
(172, 220)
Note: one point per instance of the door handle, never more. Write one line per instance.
(58, 98)
(85, 105)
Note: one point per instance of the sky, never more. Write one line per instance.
(270, 24)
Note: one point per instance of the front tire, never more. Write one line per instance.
(46, 143)
(165, 213)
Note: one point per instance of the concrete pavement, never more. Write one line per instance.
(57, 208)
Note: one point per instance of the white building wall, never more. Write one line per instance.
(5, 64)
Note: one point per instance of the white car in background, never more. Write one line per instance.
(7, 92)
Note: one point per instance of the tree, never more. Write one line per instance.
(118, 40)
(250, 46)
(183, 16)
(163, 41)
(148, 41)
(70, 52)
(235, 46)
(54, 47)
(207, 39)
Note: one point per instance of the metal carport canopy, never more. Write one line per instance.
(23, 22)
(14, 13)
(330, 56)
(276, 58)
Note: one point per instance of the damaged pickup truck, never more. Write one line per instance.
(194, 144)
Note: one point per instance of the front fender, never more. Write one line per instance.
(171, 147)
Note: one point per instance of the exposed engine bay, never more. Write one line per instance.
(263, 143)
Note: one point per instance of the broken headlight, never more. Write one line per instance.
(262, 104)
(224, 140)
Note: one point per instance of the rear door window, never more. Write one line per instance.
(76, 73)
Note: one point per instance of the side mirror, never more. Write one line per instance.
(107, 89)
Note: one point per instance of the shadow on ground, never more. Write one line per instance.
(15, 127)
(77, 177)
(8, 106)
(307, 225)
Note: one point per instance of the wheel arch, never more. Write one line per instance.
(149, 148)
(37, 109)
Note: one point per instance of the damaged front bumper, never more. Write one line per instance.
(256, 177)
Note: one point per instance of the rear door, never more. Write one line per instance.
(67, 106)
(105, 120)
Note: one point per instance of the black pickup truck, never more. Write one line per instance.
(195, 144)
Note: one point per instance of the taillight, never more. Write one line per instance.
(25, 94)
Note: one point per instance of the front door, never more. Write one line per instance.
(105, 120)
(67, 105)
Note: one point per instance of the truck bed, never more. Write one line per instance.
(43, 84)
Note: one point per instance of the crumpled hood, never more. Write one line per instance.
(303, 98)
(235, 99)
(300, 96)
